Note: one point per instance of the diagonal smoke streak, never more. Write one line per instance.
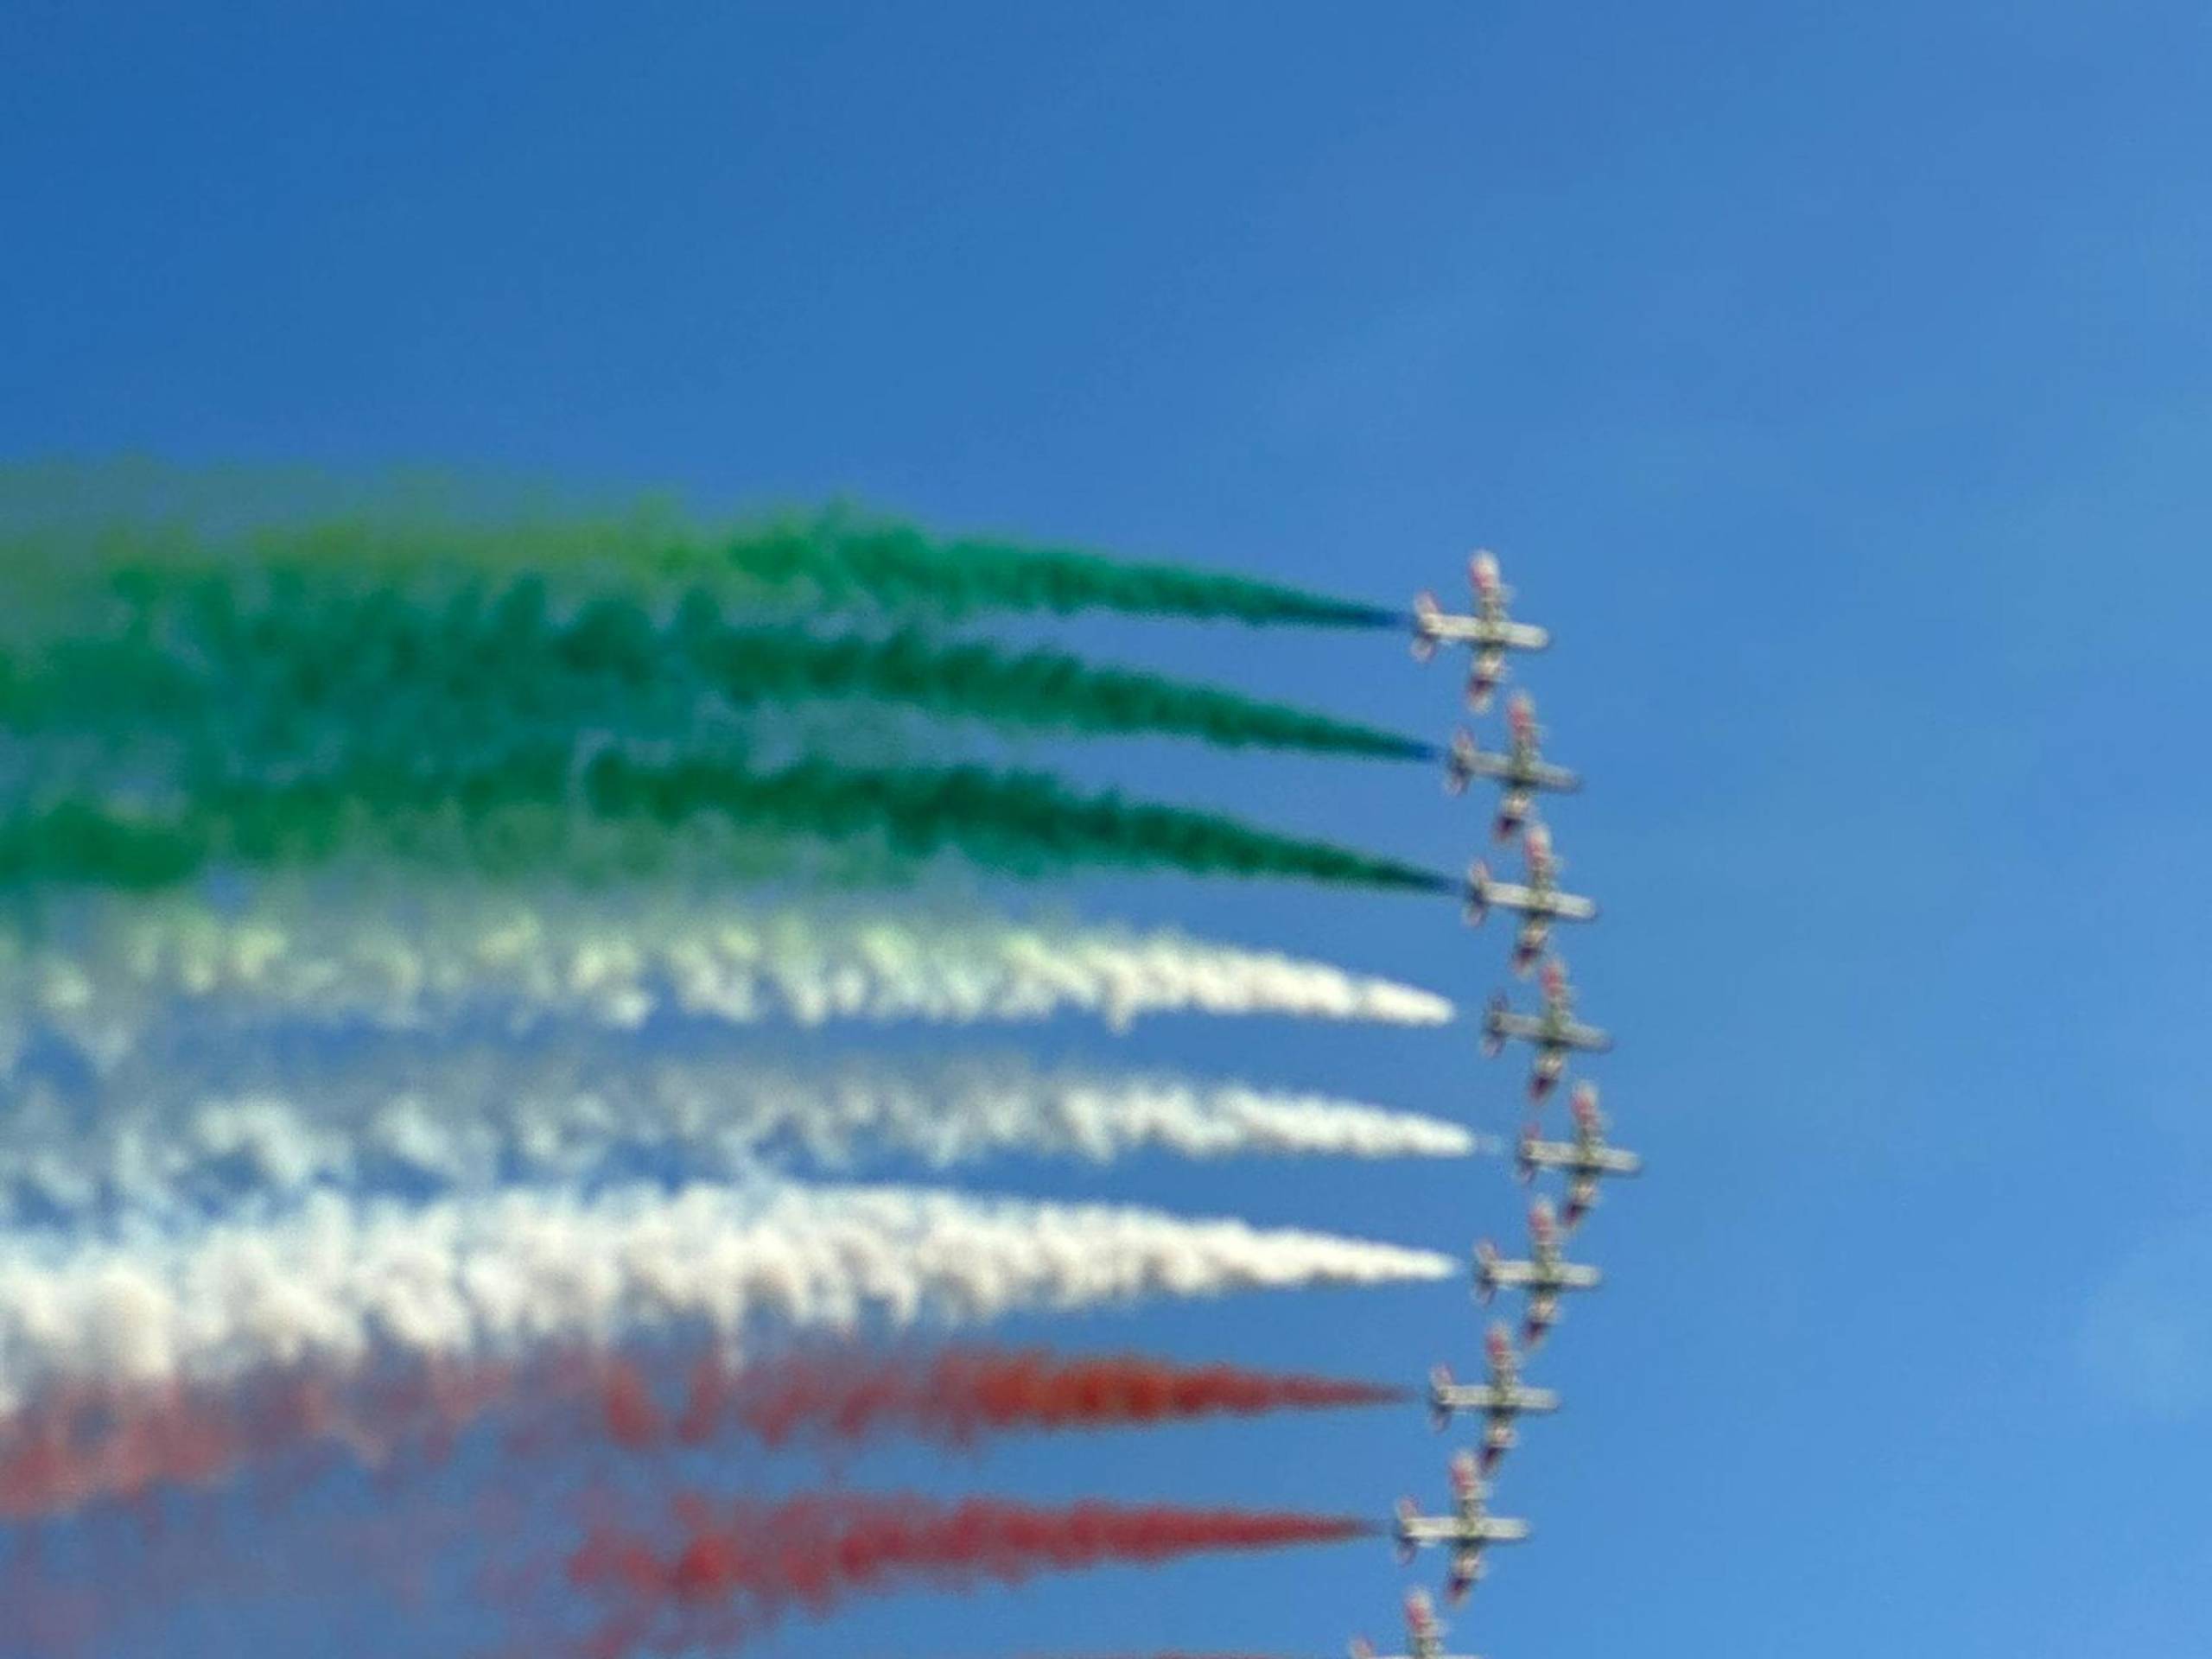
(425, 957)
(171, 1140)
(339, 1286)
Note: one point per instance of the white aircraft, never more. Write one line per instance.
(1467, 1532)
(1500, 1399)
(1545, 1276)
(1555, 1033)
(1522, 769)
(1489, 633)
(1424, 1635)
(1539, 902)
(1586, 1158)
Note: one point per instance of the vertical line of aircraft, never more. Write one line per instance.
(1555, 1036)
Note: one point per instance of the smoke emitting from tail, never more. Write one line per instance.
(145, 538)
(518, 815)
(179, 1141)
(463, 677)
(956, 1397)
(753, 1562)
(111, 980)
(90, 1443)
(337, 1286)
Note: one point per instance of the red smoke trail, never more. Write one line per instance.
(958, 1394)
(86, 1443)
(89, 1444)
(753, 1561)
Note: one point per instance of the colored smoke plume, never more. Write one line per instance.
(519, 815)
(107, 977)
(299, 678)
(732, 1567)
(955, 1395)
(201, 1137)
(90, 1444)
(150, 533)
(338, 1285)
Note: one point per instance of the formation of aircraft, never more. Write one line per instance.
(1467, 1532)
(1554, 1032)
(1538, 901)
(1584, 1159)
(1520, 768)
(1489, 633)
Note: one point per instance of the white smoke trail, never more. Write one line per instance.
(522, 958)
(340, 1285)
(166, 1143)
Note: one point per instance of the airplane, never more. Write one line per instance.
(1467, 1532)
(1586, 1158)
(1522, 769)
(1500, 1399)
(1545, 1276)
(1489, 633)
(1539, 902)
(1555, 1033)
(1424, 1635)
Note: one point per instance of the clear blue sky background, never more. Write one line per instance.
(1833, 380)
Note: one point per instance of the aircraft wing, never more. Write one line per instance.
(1564, 906)
(1519, 636)
(1428, 1529)
(1586, 1038)
(1511, 1275)
(1570, 906)
(1527, 1027)
(1484, 1396)
(1444, 626)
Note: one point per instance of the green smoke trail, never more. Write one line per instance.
(515, 817)
(287, 677)
(836, 559)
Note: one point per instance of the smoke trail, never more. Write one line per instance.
(144, 545)
(425, 957)
(89, 1443)
(514, 818)
(338, 1285)
(956, 1397)
(168, 1141)
(753, 1562)
(306, 676)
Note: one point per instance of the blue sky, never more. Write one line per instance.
(1834, 382)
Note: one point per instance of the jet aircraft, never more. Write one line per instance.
(1545, 1276)
(1424, 1635)
(1522, 769)
(1539, 902)
(1500, 1399)
(1490, 633)
(1555, 1033)
(1467, 1532)
(1587, 1159)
